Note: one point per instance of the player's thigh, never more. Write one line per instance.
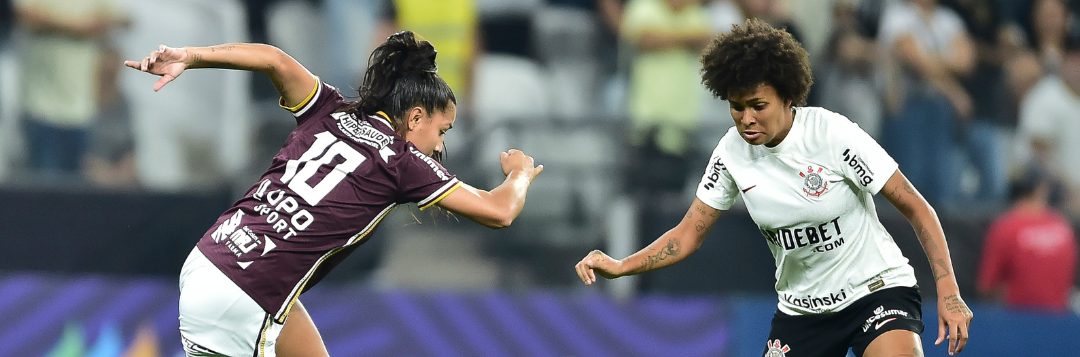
(895, 343)
(806, 336)
(300, 337)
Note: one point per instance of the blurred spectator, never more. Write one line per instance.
(926, 51)
(110, 161)
(665, 90)
(845, 78)
(6, 21)
(351, 26)
(1050, 20)
(724, 14)
(1049, 128)
(985, 135)
(451, 25)
(775, 12)
(1030, 254)
(60, 63)
(611, 13)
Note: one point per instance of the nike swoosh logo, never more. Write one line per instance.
(878, 325)
(748, 188)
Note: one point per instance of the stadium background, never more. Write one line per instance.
(86, 271)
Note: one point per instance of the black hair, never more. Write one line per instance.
(1025, 185)
(401, 74)
(738, 61)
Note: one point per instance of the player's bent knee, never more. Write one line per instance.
(299, 337)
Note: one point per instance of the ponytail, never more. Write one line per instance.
(401, 74)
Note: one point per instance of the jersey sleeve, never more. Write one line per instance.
(322, 95)
(423, 180)
(717, 188)
(860, 158)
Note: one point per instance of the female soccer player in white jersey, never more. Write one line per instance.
(343, 168)
(807, 176)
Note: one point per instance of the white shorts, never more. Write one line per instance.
(219, 319)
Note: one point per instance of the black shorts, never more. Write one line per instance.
(830, 335)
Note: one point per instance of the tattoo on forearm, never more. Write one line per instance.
(196, 58)
(670, 249)
(689, 214)
(909, 188)
(895, 194)
(700, 226)
(939, 266)
(221, 48)
(941, 269)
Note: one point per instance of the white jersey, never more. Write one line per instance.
(811, 197)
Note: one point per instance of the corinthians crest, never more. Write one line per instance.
(775, 349)
(813, 184)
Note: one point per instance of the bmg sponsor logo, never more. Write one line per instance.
(861, 169)
(714, 173)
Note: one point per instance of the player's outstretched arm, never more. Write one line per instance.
(954, 316)
(673, 246)
(496, 208)
(291, 79)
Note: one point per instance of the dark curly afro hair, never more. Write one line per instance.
(740, 60)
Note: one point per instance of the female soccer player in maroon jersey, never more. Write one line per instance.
(343, 168)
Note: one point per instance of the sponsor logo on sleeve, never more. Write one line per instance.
(813, 184)
(431, 163)
(862, 171)
(714, 172)
(361, 131)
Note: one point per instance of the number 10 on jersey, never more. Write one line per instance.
(323, 151)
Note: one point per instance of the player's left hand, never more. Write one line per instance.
(954, 317)
(166, 62)
(596, 262)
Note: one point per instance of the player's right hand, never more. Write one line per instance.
(166, 62)
(515, 160)
(596, 262)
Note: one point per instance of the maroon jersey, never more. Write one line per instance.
(327, 189)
